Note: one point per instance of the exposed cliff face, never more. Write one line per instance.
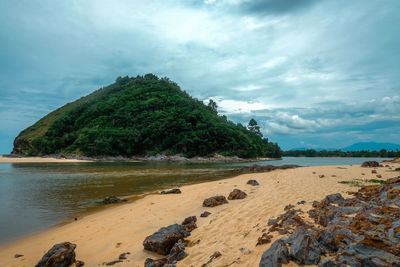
(145, 115)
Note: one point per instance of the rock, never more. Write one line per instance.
(112, 200)
(321, 176)
(327, 241)
(18, 255)
(253, 182)
(301, 202)
(165, 238)
(155, 263)
(333, 198)
(79, 263)
(123, 256)
(214, 201)
(266, 168)
(205, 214)
(370, 164)
(330, 263)
(177, 252)
(213, 256)
(373, 171)
(237, 194)
(378, 176)
(264, 239)
(190, 223)
(113, 262)
(275, 255)
(60, 255)
(304, 248)
(172, 191)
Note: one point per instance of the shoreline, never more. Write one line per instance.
(77, 159)
(103, 235)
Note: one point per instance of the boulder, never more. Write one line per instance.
(172, 191)
(370, 164)
(264, 239)
(205, 214)
(112, 200)
(165, 238)
(60, 255)
(253, 182)
(330, 263)
(214, 201)
(276, 255)
(190, 223)
(237, 194)
(327, 241)
(304, 248)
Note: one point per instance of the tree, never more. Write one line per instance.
(212, 105)
(254, 128)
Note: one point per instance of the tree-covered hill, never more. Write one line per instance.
(145, 115)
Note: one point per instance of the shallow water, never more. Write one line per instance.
(35, 196)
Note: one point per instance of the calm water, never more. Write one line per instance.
(34, 196)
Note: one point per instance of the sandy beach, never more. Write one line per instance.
(232, 229)
(4, 159)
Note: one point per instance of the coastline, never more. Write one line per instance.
(162, 158)
(103, 235)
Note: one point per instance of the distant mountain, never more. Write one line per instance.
(371, 146)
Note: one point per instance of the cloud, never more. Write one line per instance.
(303, 72)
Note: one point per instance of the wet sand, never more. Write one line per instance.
(4, 159)
(232, 229)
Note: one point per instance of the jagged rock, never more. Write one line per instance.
(113, 262)
(60, 255)
(112, 200)
(190, 223)
(79, 263)
(267, 168)
(264, 239)
(177, 252)
(253, 182)
(327, 241)
(165, 238)
(370, 164)
(330, 263)
(155, 263)
(333, 198)
(349, 261)
(237, 194)
(304, 248)
(172, 191)
(301, 202)
(123, 256)
(205, 214)
(214, 201)
(276, 255)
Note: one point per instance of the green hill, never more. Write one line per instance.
(145, 115)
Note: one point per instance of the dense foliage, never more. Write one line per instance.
(145, 115)
(338, 153)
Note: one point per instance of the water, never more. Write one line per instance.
(35, 196)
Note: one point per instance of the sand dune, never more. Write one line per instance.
(232, 229)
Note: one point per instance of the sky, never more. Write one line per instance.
(313, 73)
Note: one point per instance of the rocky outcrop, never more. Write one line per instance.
(60, 255)
(277, 254)
(304, 249)
(214, 201)
(370, 164)
(165, 238)
(237, 194)
(112, 200)
(253, 182)
(171, 191)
